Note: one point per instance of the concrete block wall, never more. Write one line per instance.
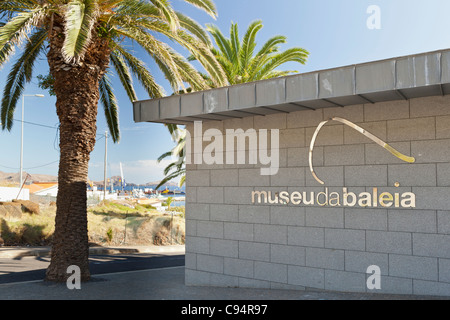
(232, 242)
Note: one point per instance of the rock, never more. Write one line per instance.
(10, 210)
(28, 206)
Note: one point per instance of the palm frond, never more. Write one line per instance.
(222, 43)
(80, 17)
(299, 55)
(17, 28)
(182, 180)
(124, 74)
(7, 51)
(158, 50)
(110, 107)
(164, 155)
(279, 73)
(137, 8)
(141, 72)
(199, 50)
(235, 43)
(167, 11)
(249, 44)
(21, 72)
(170, 177)
(194, 28)
(207, 5)
(271, 45)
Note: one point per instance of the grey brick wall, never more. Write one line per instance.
(232, 242)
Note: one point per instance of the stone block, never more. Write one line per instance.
(388, 242)
(388, 110)
(224, 178)
(306, 236)
(238, 195)
(324, 217)
(305, 118)
(224, 212)
(359, 261)
(291, 255)
(417, 175)
(345, 239)
(344, 155)
(209, 263)
(271, 271)
(443, 174)
(238, 231)
(254, 214)
(369, 175)
(412, 220)
(270, 234)
(210, 195)
(413, 267)
(345, 281)
(306, 276)
(224, 248)
(443, 127)
(325, 258)
(238, 267)
(431, 245)
(288, 177)
(366, 219)
(254, 251)
(290, 216)
(430, 106)
(210, 229)
(197, 211)
(431, 150)
(411, 129)
(443, 218)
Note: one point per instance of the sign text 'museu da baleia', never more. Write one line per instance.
(346, 198)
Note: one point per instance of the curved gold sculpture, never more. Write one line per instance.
(375, 139)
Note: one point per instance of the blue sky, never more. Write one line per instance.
(333, 31)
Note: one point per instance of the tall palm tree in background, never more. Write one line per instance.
(240, 61)
(241, 64)
(82, 39)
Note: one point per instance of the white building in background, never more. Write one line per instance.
(9, 194)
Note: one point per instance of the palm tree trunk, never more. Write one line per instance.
(77, 93)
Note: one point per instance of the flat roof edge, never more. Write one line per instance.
(405, 77)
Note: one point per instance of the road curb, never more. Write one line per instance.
(20, 252)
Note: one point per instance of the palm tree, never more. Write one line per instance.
(241, 64)
(84, 40)
(176, 168)
(169, 201)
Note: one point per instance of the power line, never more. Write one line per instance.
(36, 124)
(43, 165)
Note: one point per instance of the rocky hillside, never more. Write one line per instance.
(15, 177)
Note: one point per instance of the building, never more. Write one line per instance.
(8, 194)
(43, 188)
(380, 222)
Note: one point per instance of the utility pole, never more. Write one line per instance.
(21, 135)
(106, 158)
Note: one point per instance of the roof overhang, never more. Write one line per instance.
(402, 78)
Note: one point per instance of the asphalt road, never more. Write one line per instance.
(33, 268)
